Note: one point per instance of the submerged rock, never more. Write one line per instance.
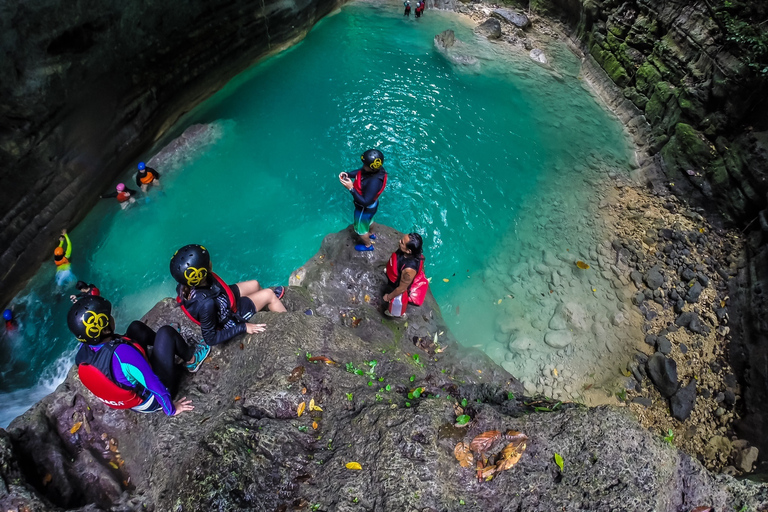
(538, 56)
(445, 42)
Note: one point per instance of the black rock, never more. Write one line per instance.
(648, 293)
(490, 28)
(650, 339)
(666, 233)
(636, 278)
(703, 279)
(642, 400)
(715, 367)
(673, 296)
(641, 359)
(687, 274)
(663, 373)
(730, 397)
(731, 381)
(636, 373)
(683, 400)
(679, 305)
(721, 314)
(692, 322)
(658, 300)
(671, 328)
(706, 393)
(683, 348)
(720, 397)
(653, 278)
(663, 345)
(694, 293)
(638, 299)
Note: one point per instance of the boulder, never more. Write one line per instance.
(490, 28)
(694, 292)
(682, 402)
(538, 56)
(570, 316)
(663, 345)
(558, 339)
(446, 44)
(663, 373)
(515, 18)
(654, 278)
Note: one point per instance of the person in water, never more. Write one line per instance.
(10, 323)
(366, 185)
(419, 9)
(123, 194)
(407, 5)
(147, 177)
(120, 370)
(405, 272)
(61, 256)
(223, 311)
(85, 290)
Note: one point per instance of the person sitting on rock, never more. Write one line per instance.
(147, 177)
(407, 5)
(61, 257)
(120, 370)
(405, 272)
(85, 290)
(366, 185)
(123, 194)
(222, 311)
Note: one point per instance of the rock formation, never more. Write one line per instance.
(245, 447)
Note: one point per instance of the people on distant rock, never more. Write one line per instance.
(223, 311)
(61, 256)
(366, 185)
(147, 177)
(405, 272)
(123, 194)
(85, 290)
(121, 370)
(407, 5)
(10, 323)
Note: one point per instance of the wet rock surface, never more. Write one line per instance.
(244, 447)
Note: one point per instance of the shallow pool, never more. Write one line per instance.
(495, 164)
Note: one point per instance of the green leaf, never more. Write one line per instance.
(381, 379)
(417, 393)
(370, 383)
(388, 387)
(559, 461)
(461, 502)
(407, 404)
(463, 419)
(510, 396)
(410, 396)
(413, 377)
(463, 402)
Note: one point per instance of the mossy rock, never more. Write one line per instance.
(691, 107)
(647, 77)
(735, 158)
(661, 66)
(636, 97)
(658, 105)
(629, 57)
(615, 70)
(612, 42)
(643, 34)
(689, 149)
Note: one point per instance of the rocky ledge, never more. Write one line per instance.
(246, 447)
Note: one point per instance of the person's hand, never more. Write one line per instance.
(254, 328)
(182, 405)
(385, 298)
(344, 179)
(63, 232)
(73, 298)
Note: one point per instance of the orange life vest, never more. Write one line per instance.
(149, 178)
(62, 261)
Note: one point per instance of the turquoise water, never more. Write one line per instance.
(474, 154)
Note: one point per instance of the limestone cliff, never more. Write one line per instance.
(245, 447)
(87, 85)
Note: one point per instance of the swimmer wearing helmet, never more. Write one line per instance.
(123, 194)
(147, 177)
(61, 257)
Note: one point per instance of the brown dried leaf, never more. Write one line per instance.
(484, 441)
(356, 322)
(303, 391)
(457, 409)
(314, 425)
(514, 435)
(510, 456)
(76, 427)
(463, 455)
(300, 410)
(487, 471)
(242, 346)
(47, 479)
(238, 397)
(323, 359)
(112, 445)
(296, 374)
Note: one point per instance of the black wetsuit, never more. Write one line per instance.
(143, 173)
(115, 193)
(210, 306)
(403, 261)
(370, 184)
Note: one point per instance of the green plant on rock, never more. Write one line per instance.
(669, 437)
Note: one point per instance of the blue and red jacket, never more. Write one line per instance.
(367, 187)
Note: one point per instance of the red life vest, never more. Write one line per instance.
(94, 291)
(123, 196)
(227, 290)
(358, 184)
(96, 374)
(417, 291)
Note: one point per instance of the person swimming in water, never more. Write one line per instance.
(10, 323)
(61, 257)
(121, 371)
(85, 290)
(366, 185)
(405, 272)
(123, 194)
(147, 177)
(223, 311)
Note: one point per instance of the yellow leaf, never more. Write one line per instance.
(582, 265)
(114, 466)
(594, 289)
(313, 407)
(554, 372)
(300, 410)
(498, 301)
(367, 298)
(445, 280)
(76, 427)
(354, 465)
(314, 425)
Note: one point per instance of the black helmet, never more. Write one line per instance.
(191, 264)
(373, 158)
(89, 319)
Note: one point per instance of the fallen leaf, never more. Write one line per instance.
(47, 479)
(242, 346)
(303, 391)
(300, 410)
(484, 441)
(554, 372)
(487, 471)
(498, 301)
(313, 407)
(458, 409)
(559, 461)
(354, 465)
(594, 289)
(356, 321)
(463, 455)
(76, 427)
(514, 437)
(238, 397)
(514, 458)
(296, 374)
(314, 425)
(112, 445)
(582, 265)
(114, 466)
(445, 280)
(367, 298)
(323, 358)
(462, 420)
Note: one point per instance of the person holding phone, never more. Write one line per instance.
(366, 185)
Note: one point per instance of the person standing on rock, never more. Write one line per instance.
(222, 311)
(405, 272)
(147, 177)
(366, 185)
(120, 370)
(61, 257)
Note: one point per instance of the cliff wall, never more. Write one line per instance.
(87, 85)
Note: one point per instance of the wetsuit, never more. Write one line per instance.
(211, 307)
(154, 379)
(121, 196)
(398, 304)
(407, 9)
(367, 199)
(63, 266)
(146, 177)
